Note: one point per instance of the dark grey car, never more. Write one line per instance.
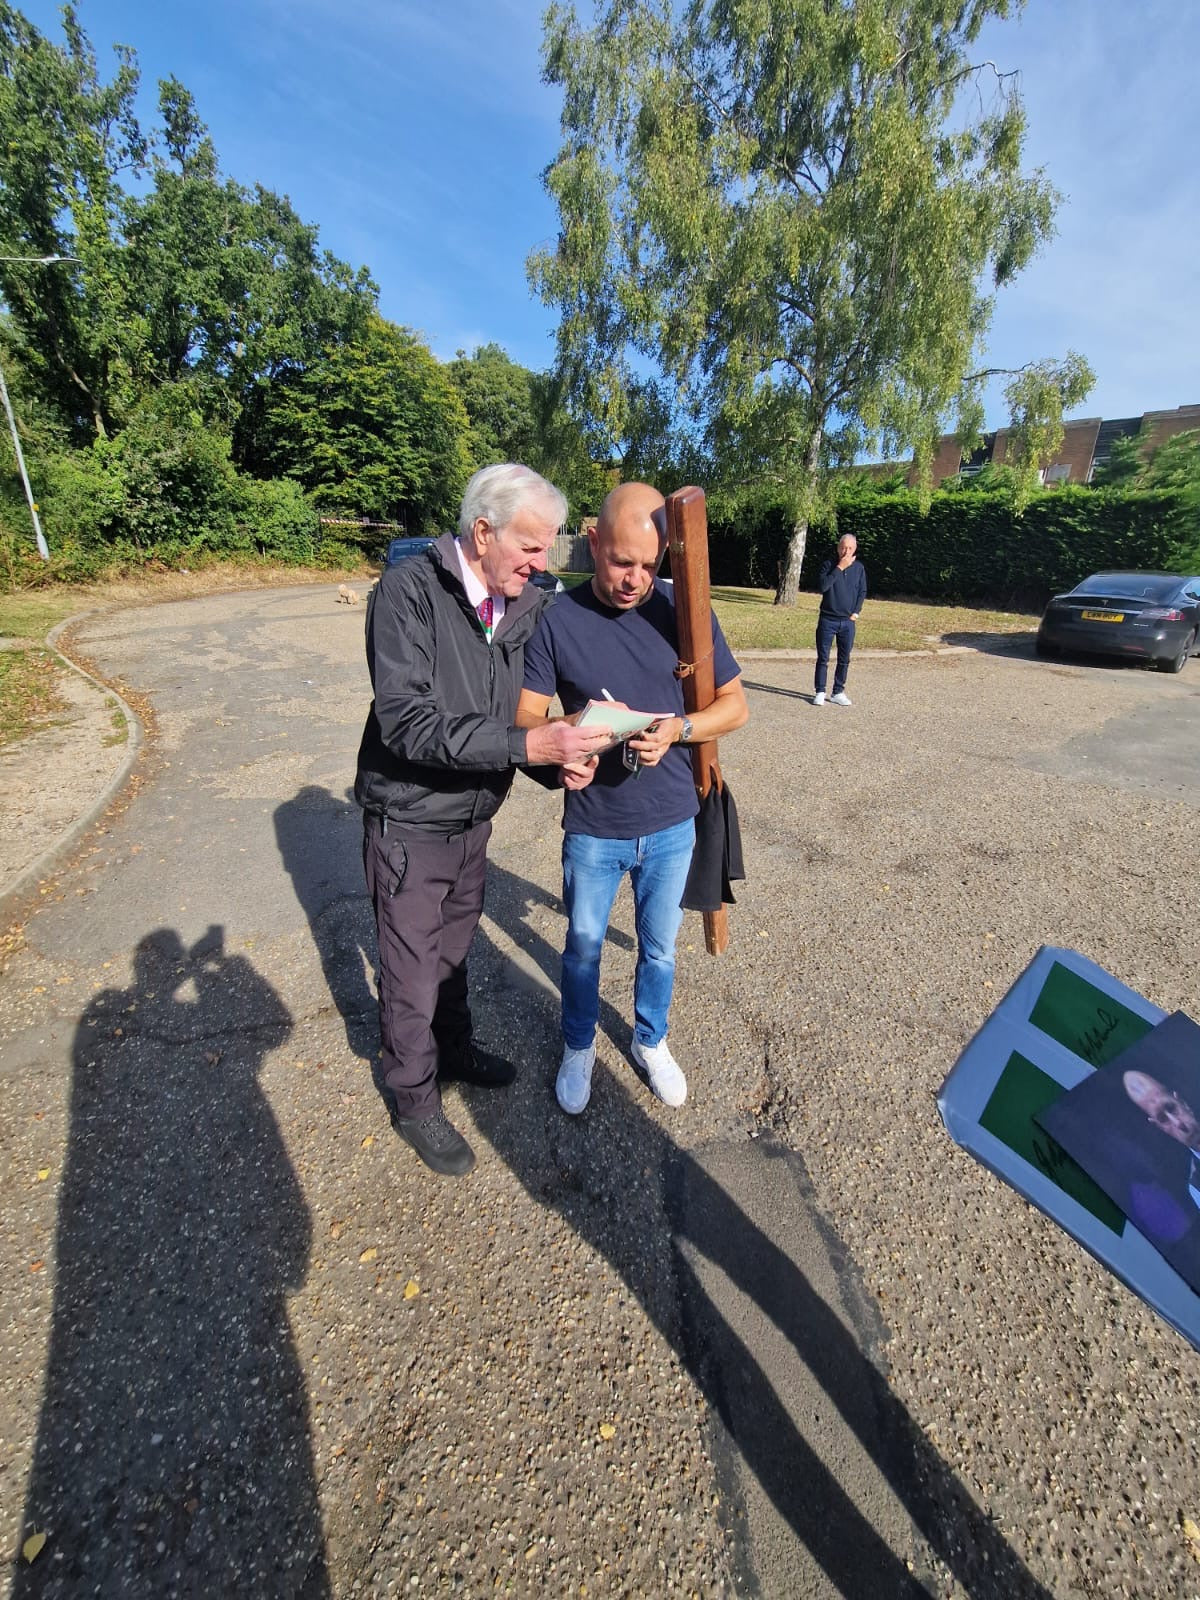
(403, 549)
(1151, 616)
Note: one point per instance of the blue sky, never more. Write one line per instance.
(413, 133)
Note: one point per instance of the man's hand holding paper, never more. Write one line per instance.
(614, 715)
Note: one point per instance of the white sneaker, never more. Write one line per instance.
(666, 1078)
(841, 698)
(819, 698)
(573, 1086)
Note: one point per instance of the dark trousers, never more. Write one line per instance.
(428, 894)
(829, 629)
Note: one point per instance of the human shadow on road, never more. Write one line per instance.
(320, 842)
(173, 1454)
(992, 644)
(622, 1184)
(773, 688)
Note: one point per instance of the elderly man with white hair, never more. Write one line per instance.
(446, 636)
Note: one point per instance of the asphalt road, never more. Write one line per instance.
(787, 1341)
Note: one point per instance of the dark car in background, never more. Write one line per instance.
(1149, 616)
(547, 581)
(404, 549)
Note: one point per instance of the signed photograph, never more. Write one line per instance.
(1134, 1127)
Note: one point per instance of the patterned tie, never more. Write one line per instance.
(485, 608)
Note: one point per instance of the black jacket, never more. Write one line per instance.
(439, 748)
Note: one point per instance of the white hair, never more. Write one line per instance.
(498, 493)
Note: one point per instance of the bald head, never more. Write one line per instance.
(632, 503)
(627, 543)
(1163, 1107)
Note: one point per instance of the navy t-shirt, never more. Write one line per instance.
(582, 647)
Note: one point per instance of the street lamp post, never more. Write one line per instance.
(43, 548)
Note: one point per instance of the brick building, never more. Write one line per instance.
(1086, 445)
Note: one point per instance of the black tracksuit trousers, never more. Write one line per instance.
(427, 892)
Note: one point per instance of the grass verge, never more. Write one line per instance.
(28, 691)
(751, 621)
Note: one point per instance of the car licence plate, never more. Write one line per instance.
(1103, 616)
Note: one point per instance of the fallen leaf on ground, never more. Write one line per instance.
(32, 1548)
(368, 1141)
(369, 1255)
(1192, 1534)
(607, 1431)
(43, 1174)
(411, 1289)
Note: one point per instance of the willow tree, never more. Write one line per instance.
(799, 211)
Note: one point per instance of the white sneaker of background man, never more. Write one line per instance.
(841, 698)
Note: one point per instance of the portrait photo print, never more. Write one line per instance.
(1134, 1126)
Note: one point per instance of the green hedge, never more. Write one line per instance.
(974, 548)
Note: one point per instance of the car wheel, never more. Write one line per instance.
(1176, 663)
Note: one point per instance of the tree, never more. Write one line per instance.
(67, 137)
(376, 428)
(294, 304)
(1037, 396)
(1124, 462)
(185, 275)
(498, 396)
(1173, 464)
(796, 211)
(519, 415)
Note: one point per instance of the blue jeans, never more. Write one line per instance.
(657, 865)
(829, 629)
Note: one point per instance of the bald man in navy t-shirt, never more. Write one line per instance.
(616, 638)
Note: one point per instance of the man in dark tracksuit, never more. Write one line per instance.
(843, 586)
(446, 635)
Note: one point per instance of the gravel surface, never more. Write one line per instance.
(255, 1348)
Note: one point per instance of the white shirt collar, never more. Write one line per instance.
(476, 588)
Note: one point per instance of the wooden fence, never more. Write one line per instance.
(570, 552)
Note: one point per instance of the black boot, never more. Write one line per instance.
(438, 1143)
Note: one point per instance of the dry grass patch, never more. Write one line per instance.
(751, 621)
(28, 691)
